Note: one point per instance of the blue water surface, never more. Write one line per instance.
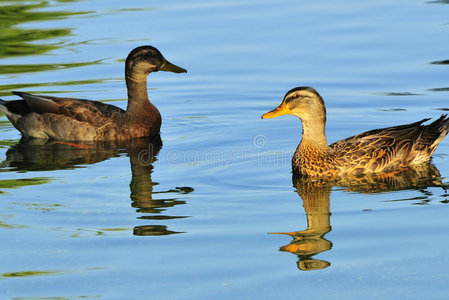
(194, 221)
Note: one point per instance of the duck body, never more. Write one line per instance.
(371, 152)
(375, 151)
(48, 117)
(78, 119)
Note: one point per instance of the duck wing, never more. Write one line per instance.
(390, 148)
(92, 112)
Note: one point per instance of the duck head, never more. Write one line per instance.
(306, 104)
(146, 59)
(302, 102)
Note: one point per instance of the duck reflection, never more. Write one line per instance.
(315, 195)
(38, 155)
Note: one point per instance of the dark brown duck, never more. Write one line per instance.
(48, 117)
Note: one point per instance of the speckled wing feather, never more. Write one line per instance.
(64, 118)
(93, 112)
(389, 148)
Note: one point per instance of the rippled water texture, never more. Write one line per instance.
(210, 211)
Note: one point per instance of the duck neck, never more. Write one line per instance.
(313, 133)
(136, 83)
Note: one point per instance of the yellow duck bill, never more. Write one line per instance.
(278, 111)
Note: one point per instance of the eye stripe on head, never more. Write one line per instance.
(297, 95)
(301, 92)
(290, 98)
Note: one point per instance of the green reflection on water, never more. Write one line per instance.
(15, 41)
(5, 90)
(31, 273)
(5, 225)
(17, 183)
(39, 206)
(12, 69)
(19, 41)
(85, 232)
(7, 143)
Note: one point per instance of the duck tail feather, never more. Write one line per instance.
(436, 131)
(38, 104)
(20, 94)
(3, 107)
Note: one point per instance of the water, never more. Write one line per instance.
(194, 221)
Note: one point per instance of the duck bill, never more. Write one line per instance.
(169, 67)
(278, 111)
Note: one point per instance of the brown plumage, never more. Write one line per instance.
(375, 151)
(50, 117)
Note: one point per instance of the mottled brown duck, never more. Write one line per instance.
(49, 117)
(372, 152)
